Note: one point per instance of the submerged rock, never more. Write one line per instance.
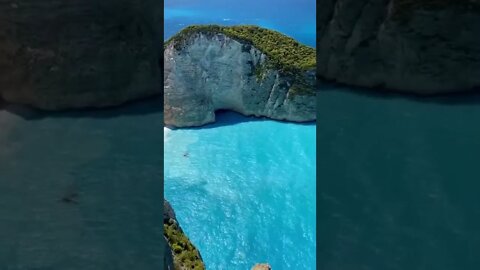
(416, 46)
(79, 53)
(245, 69)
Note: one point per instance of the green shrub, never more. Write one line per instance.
(185, 255)
(260, 71)
(283, 52)
(302, 89)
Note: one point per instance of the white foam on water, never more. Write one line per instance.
(166, 134)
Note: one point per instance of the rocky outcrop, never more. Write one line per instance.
(261, 266)
(417, 46)
(168, 257)
(168, 212)
(79, 53)
(209, 69)
(182, 253)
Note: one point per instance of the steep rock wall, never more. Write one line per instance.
(181, 253)
(422, 47)
(208, 72)
(79, 53)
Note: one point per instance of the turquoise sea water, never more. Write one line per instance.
(246, 192)
(295, 18)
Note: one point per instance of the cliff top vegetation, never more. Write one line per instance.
(282, 51)
(185, 255)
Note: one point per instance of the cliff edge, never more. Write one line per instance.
(183, 255)
(80, 53)
(416, 46)
(246, 69)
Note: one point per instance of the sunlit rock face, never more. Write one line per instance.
(79, 53)
(261, 266)
(422, 47)
(211, 71)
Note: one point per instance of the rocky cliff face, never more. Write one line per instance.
(182, 254)
(421, 46)
(206, 72)
(79, 53)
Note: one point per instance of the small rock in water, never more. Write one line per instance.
(262, 266)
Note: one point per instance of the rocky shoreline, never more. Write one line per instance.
(210, 68)
(181, 253)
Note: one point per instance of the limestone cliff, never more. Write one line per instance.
(246, 69)
(418, 46)
(79, 53)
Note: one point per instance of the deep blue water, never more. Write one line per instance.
(246, 192)
(295, 18)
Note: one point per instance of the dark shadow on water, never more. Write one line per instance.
(141, 107)
(465, 97)
(227, 118)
